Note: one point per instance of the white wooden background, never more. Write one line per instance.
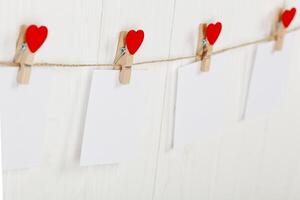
(253, 160)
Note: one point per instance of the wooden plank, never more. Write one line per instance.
(153, 17)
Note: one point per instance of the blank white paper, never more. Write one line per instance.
(23, 115)
(200, 104)
(268, 79)
(1, 165)
(115, 118)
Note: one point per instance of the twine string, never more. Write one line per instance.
(48, 64)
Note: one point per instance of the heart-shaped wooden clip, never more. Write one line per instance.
(129, 43)
(208, 35)
(30, 40)
(35, 37)
(288, 16)
(213, 32)
(134, 40)
(283, 21)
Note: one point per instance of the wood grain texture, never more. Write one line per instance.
(250, 160)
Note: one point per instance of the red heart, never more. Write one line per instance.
(288, 16)
(134, 40)
(35, 37)
(212, 32)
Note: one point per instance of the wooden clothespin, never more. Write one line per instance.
(204, 49)
(283, 21)
(124, 59)
(129, 43)
(24, 57)
(208, 35)
(30, 40)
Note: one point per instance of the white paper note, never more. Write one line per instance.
(200, 101)
(268, 79)
(22, 109)
(115, 118)
(1, 165)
